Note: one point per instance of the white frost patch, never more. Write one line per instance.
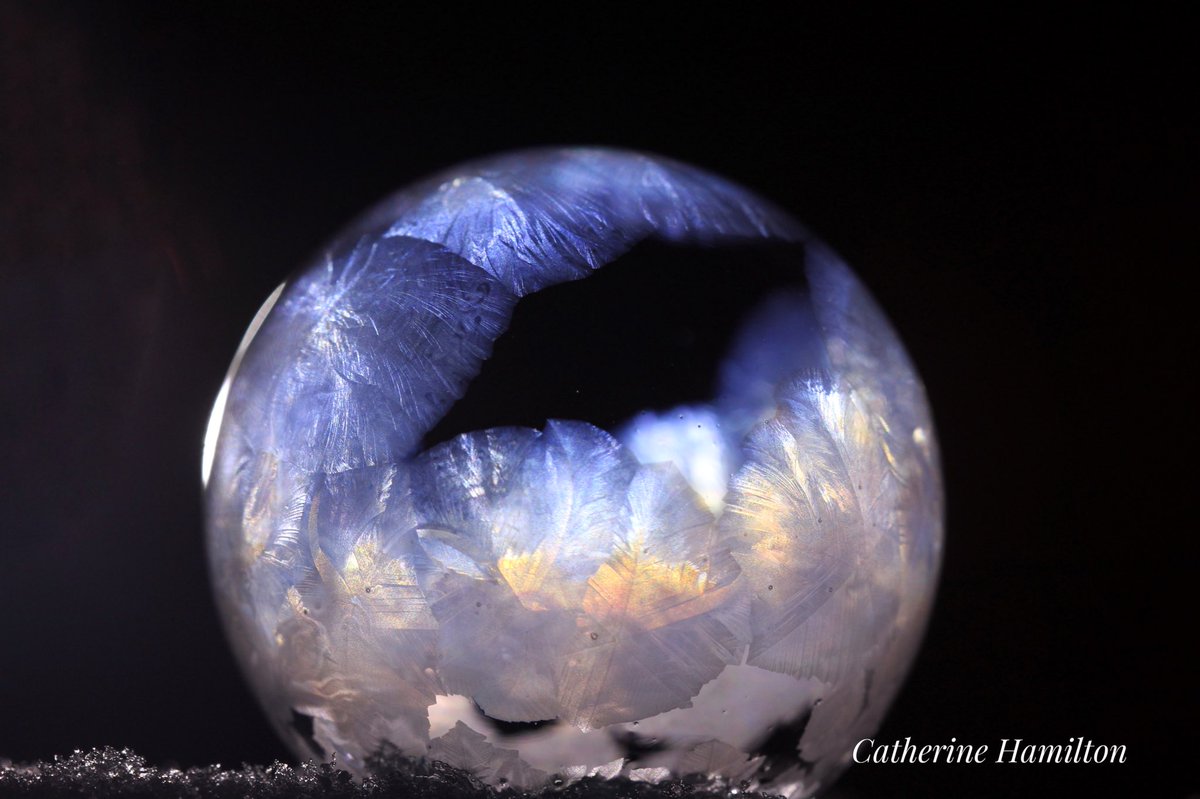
(447, 711)
(689, 437)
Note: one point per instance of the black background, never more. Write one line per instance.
(1012, 188)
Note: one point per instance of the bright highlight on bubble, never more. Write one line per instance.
(728, 583)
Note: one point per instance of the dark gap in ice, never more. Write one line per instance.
(634, 747)
(646, 332)
(869, 677)
(515, 727)
(302, 723)
(779, 748)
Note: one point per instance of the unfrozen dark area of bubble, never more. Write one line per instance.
(514, 728)
(647, 332)
(109, 773)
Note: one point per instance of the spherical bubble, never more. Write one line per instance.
(575, 462)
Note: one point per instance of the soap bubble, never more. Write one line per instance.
(574, 463)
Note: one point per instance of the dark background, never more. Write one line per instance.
(1013, 189)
